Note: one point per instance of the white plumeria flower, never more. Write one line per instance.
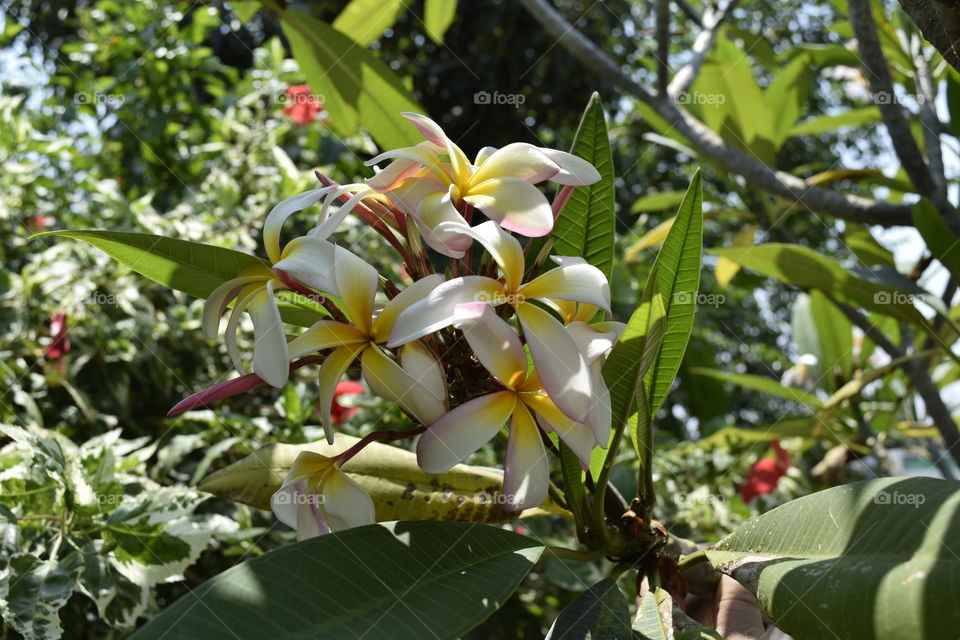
(428, 181)
(254, 287)
(417, 384)
(595, 341)
(317, 497)
(560, 364)
(466, 428)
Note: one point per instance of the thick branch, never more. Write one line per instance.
(931, 123)
(939, 21)
(881, 83)
(921, 380)
(712, 19)
(755, 172)
(663, 44)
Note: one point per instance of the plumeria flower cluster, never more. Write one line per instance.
(485, 339)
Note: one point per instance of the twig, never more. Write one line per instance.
(712, 19)
(755, 172)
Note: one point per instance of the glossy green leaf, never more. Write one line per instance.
(835, 333)
(364, 21)
(807, 269)
(355, 84)
(599, 613)
(677, 271)
(660, 201)
(943, 244)
(33, 592)
(823, 124)
(859, 239)
(391, 475)
(587, 225)
(191, 267)
(378, 582)
(660, 618)
(878, 559)
(438, 15)
(760, 383)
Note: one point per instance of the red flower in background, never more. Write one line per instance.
(340, 413)
(36, 224)
(60, 345)
(765, 473)
(303, 106)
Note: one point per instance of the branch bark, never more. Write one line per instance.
(712, 19)
(939, 21)
(921, 380)
(755, 172)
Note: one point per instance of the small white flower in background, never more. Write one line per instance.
(317, 497)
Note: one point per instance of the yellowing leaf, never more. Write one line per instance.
(727, 269)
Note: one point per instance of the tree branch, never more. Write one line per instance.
(939, 21)
(921, 380)
(712, 19)
(931, 123)
(881, 83)
(755, 172)
(663, 43)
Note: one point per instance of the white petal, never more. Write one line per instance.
(311, 520)
(516, 204)
(503, 248)
(579, 437)
(558, 361)
(218, 300)
(593, 344)
(435, 209)
(246, 295)
(517, 160)
(332, 369)
(418, 361)
(310, 260)
(577, 281)
(462, 431)
(356, 287)
(392, 383)
(601, 412)
(407, 195)
(325, 334)
(345, 503)
(277, 215)
(574, 171)
(383, 325)
(436, 310)
(526, 472)
(270, 359)
(494, 342)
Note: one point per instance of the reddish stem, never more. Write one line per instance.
(374, 437)
(296, 286)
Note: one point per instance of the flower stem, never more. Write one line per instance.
(386, 434)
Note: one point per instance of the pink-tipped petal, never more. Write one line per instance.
(517, 160)
(573, 170)
(435, 311)
(526, 472)
(463, 430)
(558, 361)
(311, 518)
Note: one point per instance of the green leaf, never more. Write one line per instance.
(36, 591)
(878, 559)
(941, 241)
(194, 268)
(823, 124)
(859, 239)
(599, 613)
(354, 83)
(438, 15)
(677, 272)
(245, 9)
(657, 202)
(405, 579)
(660, 618)
(399, 488)
(787, 94)
(191, 267)
(805, 268)
(588, 223)
(835, 336)
(363, 21)
(759, 383)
